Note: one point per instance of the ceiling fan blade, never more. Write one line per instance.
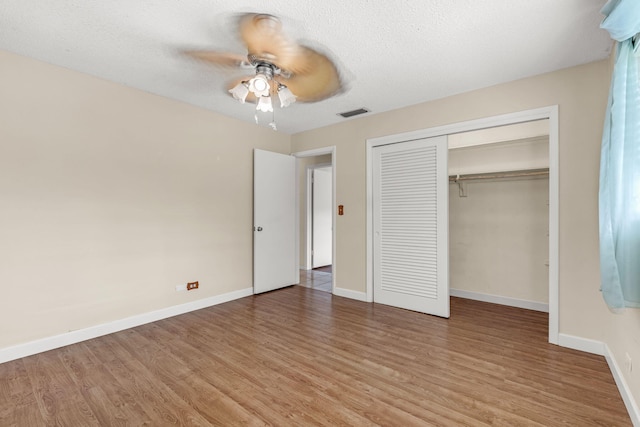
(314, 76)
(222, 59)
(266, 41)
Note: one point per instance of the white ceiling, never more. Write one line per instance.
(391, 53)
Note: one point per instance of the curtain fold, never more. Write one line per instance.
(620, 163)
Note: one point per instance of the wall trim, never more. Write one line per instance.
(602, 349)
(348, 293)
(623, 387)
(49, 343)
(583, 344)
(497, 299)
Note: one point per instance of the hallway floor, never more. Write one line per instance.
(316, 279)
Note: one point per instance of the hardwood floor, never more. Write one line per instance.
(299, 356)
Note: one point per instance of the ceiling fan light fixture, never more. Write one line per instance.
(275, 57)
(264, 104)
(286, 96)
(240, 91)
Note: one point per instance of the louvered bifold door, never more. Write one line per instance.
(410, 225)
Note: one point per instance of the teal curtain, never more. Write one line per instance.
(620, 163)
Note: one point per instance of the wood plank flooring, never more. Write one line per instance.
(299, 356)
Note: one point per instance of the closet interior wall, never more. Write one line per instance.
(499, 227)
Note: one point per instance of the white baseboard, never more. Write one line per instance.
(582, 344)
(56, 341)
(623, 387)
(602, 349)
(496, 299)
(348, 293)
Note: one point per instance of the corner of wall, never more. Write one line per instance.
(623, 387)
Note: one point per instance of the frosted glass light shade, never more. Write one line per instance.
(264, 104)
(240, 91)
(286, 96)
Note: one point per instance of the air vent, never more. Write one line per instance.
(353, 112)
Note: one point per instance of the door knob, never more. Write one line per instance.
(259, 229)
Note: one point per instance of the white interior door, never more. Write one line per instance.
(322, 218)
(274, 210)
(410, 225)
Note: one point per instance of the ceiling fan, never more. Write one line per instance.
(281, 66)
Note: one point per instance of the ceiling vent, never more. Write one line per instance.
(353, 112)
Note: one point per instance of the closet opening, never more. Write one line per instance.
(499, 215)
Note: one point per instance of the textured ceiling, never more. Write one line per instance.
(391, 53)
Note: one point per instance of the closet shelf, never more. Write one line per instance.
(500, 175)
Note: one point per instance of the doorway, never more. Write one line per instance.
(316, 215)
(550, 113)
(319, 220)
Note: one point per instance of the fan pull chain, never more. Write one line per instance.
(273, 120)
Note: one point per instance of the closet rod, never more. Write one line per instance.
(498, 175)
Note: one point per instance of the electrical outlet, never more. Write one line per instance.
(628, 363)
(192, 285)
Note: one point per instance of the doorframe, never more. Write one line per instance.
(309, 217)
(551, 114)
(312, 153)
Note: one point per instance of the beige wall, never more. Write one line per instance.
(110, 197)
(581, 94)
(498, 238)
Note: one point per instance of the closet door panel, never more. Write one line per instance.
(411, 226)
